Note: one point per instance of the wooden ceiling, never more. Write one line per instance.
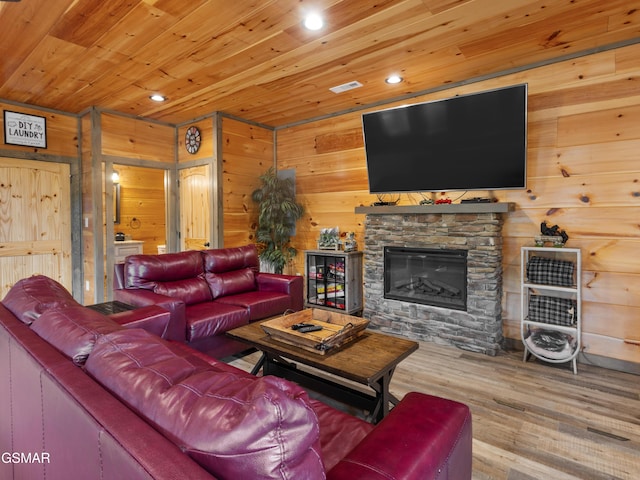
(254, 59)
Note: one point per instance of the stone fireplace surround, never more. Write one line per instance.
(476, 228)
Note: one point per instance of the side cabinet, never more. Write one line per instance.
(334, 280)
(128, 247)
(551, 320)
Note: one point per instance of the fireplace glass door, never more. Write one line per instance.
(435, 277)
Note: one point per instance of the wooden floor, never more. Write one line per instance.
(530, 420)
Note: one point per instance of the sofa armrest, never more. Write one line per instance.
(153, 319)
(118, 276)
(423, 437)
(291, 285)
(138, 297)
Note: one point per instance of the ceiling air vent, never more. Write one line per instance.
(346, 86)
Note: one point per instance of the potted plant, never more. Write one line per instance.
(278, 212)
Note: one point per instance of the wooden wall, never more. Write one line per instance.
(31, 243)
(247, 152)
(133, 138)
(62, 135)
(207, 145)
(583, 174)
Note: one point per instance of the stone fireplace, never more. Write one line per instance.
(475, 231)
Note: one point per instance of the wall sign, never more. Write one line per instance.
(23, 129)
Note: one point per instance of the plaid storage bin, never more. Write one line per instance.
(547, 271)
(553, 310)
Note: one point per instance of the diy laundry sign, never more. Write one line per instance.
(23, 129)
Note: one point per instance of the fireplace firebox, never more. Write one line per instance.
(436, 277)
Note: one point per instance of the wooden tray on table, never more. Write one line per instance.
(338, 329)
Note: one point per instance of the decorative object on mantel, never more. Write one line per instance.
(552, 235)
(350, 244)
(329, 239)
(385, 199)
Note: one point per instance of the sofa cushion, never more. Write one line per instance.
(227, 259)
(146, 271)
(230, 283)
(259, 304)
(233, 425)
(213, 318)
(73, 330)
(189, 290)
(31, 297)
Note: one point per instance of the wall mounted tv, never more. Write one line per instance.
(469, 142)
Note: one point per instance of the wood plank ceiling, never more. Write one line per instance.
(254, 59)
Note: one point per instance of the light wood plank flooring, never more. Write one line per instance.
(530, 420)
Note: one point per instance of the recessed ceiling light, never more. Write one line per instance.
(394, 79)
(313, 21)
(156, 97)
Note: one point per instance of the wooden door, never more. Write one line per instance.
(195, 208)
(35, 221)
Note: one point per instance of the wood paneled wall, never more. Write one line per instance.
(138, 139)
(583, 174)
(206, 150)
(247, 152)
(32, 244)
(62, 133)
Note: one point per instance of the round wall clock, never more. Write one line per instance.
(192, 139)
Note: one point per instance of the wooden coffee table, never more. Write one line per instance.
(369, 360)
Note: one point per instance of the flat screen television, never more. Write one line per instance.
(469, 142)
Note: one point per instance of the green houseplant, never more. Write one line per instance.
(278, 212)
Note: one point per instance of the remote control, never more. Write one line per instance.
(310, 328)
(298, 326)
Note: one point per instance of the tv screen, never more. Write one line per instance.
(469, 142)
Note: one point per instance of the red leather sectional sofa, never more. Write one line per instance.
(84, 396)
(208, 292)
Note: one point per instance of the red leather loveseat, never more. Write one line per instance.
(208, 293)
(84, 397)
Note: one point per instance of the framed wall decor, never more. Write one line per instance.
(26, 130)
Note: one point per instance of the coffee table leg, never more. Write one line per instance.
(258, 366)
(383, 397)
(268, 363)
